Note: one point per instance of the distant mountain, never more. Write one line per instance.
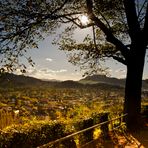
(50, 80)
(145, 84)
(70, 84)
(102, 79)
(12, 80)
(146, 81)
(97, 81)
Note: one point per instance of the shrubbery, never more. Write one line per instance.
(88, 135)
(38, 133)
(31, 135)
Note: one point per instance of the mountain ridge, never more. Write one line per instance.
(10, 79)
(103, 79)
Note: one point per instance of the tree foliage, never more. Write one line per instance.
(116, 26)
(25, 22)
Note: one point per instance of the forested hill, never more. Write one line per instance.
(12, 80)
(103, 79)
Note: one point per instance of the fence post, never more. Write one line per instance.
(104, 128)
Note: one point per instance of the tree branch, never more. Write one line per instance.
(145, 30)
(94, 37)
(109, 36)
(140, 10)
(36, 22)
(132, 18)
(121, 60)
(77, 24)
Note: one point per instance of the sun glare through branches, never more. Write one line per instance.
(84, 19)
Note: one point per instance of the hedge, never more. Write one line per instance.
(35, 134)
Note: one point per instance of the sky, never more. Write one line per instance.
(51, 63)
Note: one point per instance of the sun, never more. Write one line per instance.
(84, 19)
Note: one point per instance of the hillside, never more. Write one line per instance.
(12, 80)
(102, 79)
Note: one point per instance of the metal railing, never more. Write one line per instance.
(112, 127)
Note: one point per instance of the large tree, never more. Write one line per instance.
(119, 31)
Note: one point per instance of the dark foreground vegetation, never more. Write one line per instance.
(33, 115)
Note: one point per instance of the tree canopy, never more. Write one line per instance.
(25, 22)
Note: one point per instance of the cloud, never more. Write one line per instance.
(62, 70)
(120, 73)
(49, 59)
(46, 70)
(76, 73)
(109, 70)
(47, 73)
(44, 73)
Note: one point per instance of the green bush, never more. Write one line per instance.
(37, 133)
(83, 124)
(31, 135)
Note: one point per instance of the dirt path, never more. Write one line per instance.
(123, 140)
(137, 139)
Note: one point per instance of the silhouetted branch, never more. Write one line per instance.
(78, 24)
(121, 60)
(140, 10)
(132, 18)
(145, 30)
(109, 36)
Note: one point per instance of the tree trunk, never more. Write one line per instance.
(133, 88)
